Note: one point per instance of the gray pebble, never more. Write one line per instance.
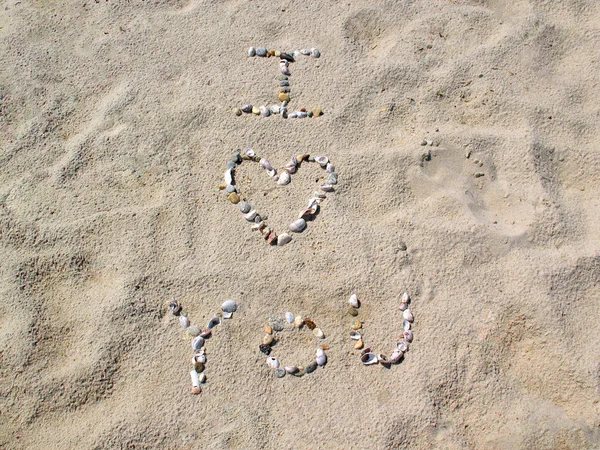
(261, 51)
(193, 331)
(247, 108)
(284, 83)
(309, 114)
(284, 89)
(265, 217)
(402, 246)
(230, 188)
(332, 178)
(276, 323)
(282, 77)
(251, 51)
(423, 142)
(280, 373)
(258, 219)
(237, 111)
(311, 367)
(245, 207)
(311, 159)
(231, 165)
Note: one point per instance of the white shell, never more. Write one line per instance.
(195, 380)
(284, 70)
(265, 164)
(355, 335)
(229, 306)
(403, 306)
(197, 342)
(184, 321)
(271, 172)
(321, 358)
(396, 356)
(249, 152)
(327, 188)
(272, 362)
(228, 177)
(284, 178)
(275, 109)
(289, 317)
(298, 225)
(298, 321)
(405, 298)
(382, 359)
(369, 358)
(199, 357)
(406, 325)
(408, 336)
(408, 315)
(264, 111)
(250, 216)
(322, 160)
(318, 333)
(291, 369)
(227, 315)
(283, 239)
(354, 301)
(293, 115)
(329, 168)
(403, 346)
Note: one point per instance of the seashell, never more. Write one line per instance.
(406, 325)
(289, 317)
(321, 357)
(402, 346)
(284, 178)
(251, 51)
(272, 362)
(305, 52)
(275, 109)
(229, 176)
(261, 51)
(227, 315)
(293, 115)
(249, 152)
(365, 350)
(272, 238)
(359, 344)
(284, 62)
(322, 160)
(396, 356)
(283, 112)
(298, 321)
(315, 52)
(200, 357)
(354, 301)
(290, 168)
(246, 108)
(202, 377)
(301, 372)
(205, 333)
(284, 70)
(310, 324)
(272, 173)
(355, 335)
(300, 114)
(266, 349)
(175, 307)
(280, 373)
(403, 306)
(264, 111)
(245, 207)
(184, 322)
(369, 358)
(229, 306)
(259, 226)
(196, 390)
(291, 369)
(408, 315)
(213, 322)
(319, 195)
(195, 380)
(266, 231)
(327, 188)
(382, 359)
(297, 53)
(318, 333)
(408, 336)
(298, 225)
(283, 239)
(193, 331)
(405, 298)
(197, 342)
(265, 164)
(250, 216)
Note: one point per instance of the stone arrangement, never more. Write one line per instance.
(367, 357)
(282, 178)
(285, 58)
(273, 331)
(198, 338)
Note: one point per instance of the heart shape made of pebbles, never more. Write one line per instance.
(283, 177)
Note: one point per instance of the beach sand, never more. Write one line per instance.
(116, 122)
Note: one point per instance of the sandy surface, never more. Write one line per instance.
(115, 126)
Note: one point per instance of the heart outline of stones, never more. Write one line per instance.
(283, 178)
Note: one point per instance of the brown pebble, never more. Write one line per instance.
(359, 344)
(222, 186)
(238, 112)
(356, 325)
(325, 347)
(196, 390)
(317, 112)
(234, 198)
(272, 238)
(284, 97)
(268, 329)
(310, 324)
(353, 312)
(268, 339)
(303, 157)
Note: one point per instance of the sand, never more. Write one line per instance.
(115, 126)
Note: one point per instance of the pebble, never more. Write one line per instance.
(280, 373)
(230, 188)
(311, 367)
(310, 324)
(332, 178)
(264, 111)
(245, 207)
(318, 333)
(285, 89)
(255, 110)
(234, 198)
(266, 349)
(353, 312)
(247, 108)
(231, 165)
(317, 112)
(268, 339)
(284, 83)
(193, 331)
(213, 322)
(359, 344)
(237, 111)
(315, 53)
(261, 51)
(251, 51)
(284, 97)
(281, 77)
(479, 174)
(356, 325)
(229, 306)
